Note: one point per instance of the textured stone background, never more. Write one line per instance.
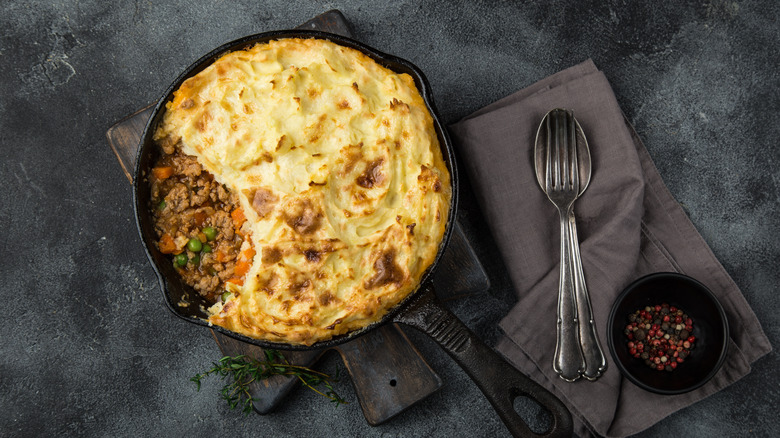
(90, 348)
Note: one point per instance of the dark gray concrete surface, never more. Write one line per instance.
(89, 347)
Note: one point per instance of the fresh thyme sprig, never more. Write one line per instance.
(243, 370)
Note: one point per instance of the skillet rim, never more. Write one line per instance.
(146, 148)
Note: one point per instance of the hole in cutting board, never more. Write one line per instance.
(538, 419)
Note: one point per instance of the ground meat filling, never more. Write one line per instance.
(195, 219)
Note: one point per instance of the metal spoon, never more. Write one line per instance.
(563, 170)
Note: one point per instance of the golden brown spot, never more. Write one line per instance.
(397, 145)
(269, 284)
(297, 99)
(312, 255)
(400, 105)
(359, 197)
(187, 104)
(281, 142)
(386, 271)
(411, 228)
(312, 183)
(263, 200)
(303, 217)
(355, 86)
(386, 122)
(292, 321)
(271, 255)
(438, 216)
(268, 158)
(326, 298)
(241, 93)
(226, 308)
(333, 326)
(221, 71)
(297, 290)
(318, 129)
(347, 213)
(312, 93)
(273, 83)
(398, 219)
(372, 175)
(344, 104)
(428, 178)
(352, 154)
(203, 121)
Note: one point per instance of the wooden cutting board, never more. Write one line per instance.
(389, 374)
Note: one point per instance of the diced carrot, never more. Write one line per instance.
(167, 245)
(249, 253)
(242, 267)
(221, 256)
(236, 280)
(164, 172)
(238, 217)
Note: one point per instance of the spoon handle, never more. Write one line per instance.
(568, 362)
(595, 362)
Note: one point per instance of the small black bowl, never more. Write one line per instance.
(710, 327)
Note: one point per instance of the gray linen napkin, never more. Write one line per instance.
(629, 225)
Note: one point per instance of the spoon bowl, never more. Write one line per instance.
(583, 154)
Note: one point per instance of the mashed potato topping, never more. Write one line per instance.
(339, 175)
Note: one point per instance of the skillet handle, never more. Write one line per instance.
(499, 381)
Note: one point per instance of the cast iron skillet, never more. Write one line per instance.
(500, 382)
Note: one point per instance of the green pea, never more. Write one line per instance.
(225, 296)
(195, 260)
(180, 260)
(161, 205)
(206, 248)
(194, 245)
(210, 232)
